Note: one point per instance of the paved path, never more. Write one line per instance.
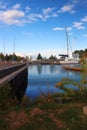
(8, 77)
(4, 64)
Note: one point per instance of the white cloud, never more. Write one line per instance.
(15, 16)
(85, 35)
(11, 17)
(78, 25)
(58, 29)
(35, 17)
(28, 9)
(66, 8)
(44, 15)
(69, 29)
(47, 11)
(84, 19)
(54, 14)
(69, 7)
(17, 6)
(32, 17)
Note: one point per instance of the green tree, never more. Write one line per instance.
(52, 57)
(39, 57)
(1, 56)
(80, 52)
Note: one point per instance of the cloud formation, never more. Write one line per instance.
(61, 29)
(18, 16)
(85, 35)
(78, 25)
(66, 8)
(58, 29)
(11, 16)
(84, 19)
(17, 6)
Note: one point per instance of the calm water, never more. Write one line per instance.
(44, 78)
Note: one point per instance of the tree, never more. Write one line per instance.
(39, 57)
(1, 56)
(80, 52)
(85, 50)
(52, 57)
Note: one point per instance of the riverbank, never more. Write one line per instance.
(45, 113)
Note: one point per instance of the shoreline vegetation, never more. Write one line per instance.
(47, 112)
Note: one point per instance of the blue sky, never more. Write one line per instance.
(39, 26)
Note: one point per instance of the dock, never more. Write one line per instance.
(16, 75)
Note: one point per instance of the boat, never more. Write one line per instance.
(72, 68)
(65, 58)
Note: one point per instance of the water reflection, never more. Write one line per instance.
(44, 78)
(52, 69)
(39, 69)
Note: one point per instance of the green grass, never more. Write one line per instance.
(45, 113)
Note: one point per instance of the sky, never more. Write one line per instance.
(29, 27)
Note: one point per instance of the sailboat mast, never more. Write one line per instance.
(4, 45)
(14, 46)
(67, 42)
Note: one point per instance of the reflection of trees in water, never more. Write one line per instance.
(52, 69)
(39, 69)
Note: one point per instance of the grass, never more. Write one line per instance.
(45, 115)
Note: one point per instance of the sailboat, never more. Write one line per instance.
(65, 58)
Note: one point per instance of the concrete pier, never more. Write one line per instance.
(16, 76)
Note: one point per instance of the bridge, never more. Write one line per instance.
(15, 75)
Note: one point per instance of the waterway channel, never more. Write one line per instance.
(44, 78)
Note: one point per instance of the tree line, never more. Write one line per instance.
(52, 57)
(14, 57)
(80, 52)
(10, 57)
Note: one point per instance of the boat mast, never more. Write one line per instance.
(67, 42)
(4, 45)
(14, 46)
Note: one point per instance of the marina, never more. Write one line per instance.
(45, 77)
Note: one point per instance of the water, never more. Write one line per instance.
(42, 78)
